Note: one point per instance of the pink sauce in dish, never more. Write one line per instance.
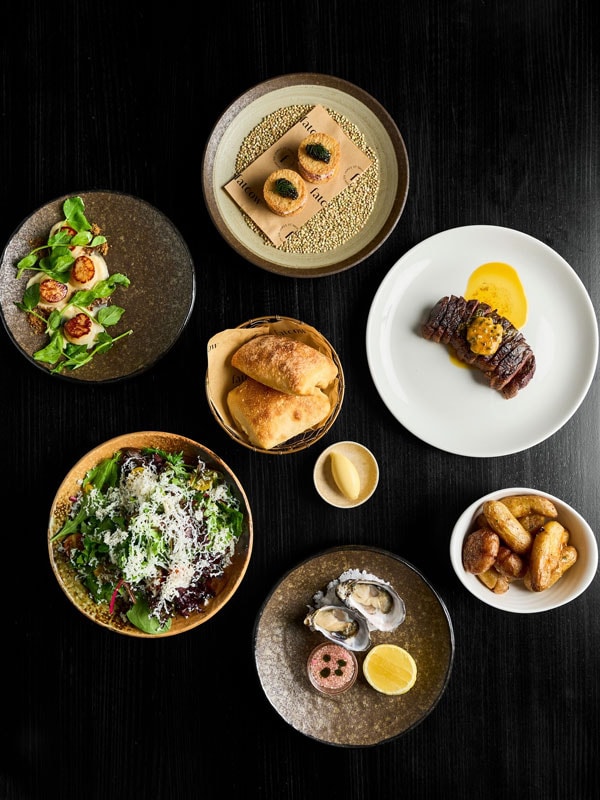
(331, 668)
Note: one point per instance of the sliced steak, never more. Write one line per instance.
(509, 369)
(453, 319)
(435, 317)
(521, 379)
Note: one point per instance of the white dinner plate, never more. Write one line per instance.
(453, 408)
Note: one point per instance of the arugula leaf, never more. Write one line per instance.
(106, 473)
(71, 525)
(139, 615)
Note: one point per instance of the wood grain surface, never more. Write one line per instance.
(497, 103)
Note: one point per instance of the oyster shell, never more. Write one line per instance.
(340, 624)
(374, 598)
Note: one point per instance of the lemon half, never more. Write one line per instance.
(390, 669)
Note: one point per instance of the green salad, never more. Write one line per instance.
(149, 534)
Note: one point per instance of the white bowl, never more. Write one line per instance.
(519, 599)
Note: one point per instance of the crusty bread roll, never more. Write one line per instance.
(269, 417)
(285, 364)
(316, 169)
(285, 192)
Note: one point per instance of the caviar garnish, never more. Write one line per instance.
(326, 671)
(318, 152)
(285, 188)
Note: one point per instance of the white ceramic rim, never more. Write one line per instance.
(518, 599)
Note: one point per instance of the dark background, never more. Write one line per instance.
(497, 103)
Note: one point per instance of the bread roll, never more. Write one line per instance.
(285, 364)
(269, 417)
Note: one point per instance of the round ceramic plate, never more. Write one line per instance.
(74, 589)
(452, 408)
(360, 717)
(146, 247)
(354, 104)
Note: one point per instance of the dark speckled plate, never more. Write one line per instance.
(145, 246)
(361, 717)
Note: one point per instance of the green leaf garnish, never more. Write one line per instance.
(139, 616)
(285, 188)
(55, 259)
(318, 152)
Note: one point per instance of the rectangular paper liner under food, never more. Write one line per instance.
(247, 188)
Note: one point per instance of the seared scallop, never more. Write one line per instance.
(87, 270)
(54, 295)
(82, 329)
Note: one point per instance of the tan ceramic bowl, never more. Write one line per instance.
(77, 593)
(308, 437)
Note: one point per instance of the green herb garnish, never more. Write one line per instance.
(55, 259)
(285, 188)
(318, 152)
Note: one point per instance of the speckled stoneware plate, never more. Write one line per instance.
(360, 717)
(356, 105)
(74, 589)
(146, 247)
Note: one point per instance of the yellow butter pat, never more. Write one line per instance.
(345, 475)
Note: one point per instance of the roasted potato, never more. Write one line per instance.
(507, 526)
(480, 550)
(510, 564)
(533, 522)
(494, 581)
(545, 555)
(520, 505)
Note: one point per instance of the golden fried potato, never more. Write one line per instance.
(568, 557)
(545, 555)
(533, 522)
(494, 581)
(522, 504)
(507, 526)
(480, 550)
(481, 521)
(510, 564)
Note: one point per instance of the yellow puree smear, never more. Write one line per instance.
(498, 285)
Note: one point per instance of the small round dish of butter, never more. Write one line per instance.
(346, 474)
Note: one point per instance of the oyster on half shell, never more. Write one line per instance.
(340, 624)
(372, 597)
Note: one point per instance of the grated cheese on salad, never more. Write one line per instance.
(152, 535)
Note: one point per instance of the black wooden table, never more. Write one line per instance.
(497, 103)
